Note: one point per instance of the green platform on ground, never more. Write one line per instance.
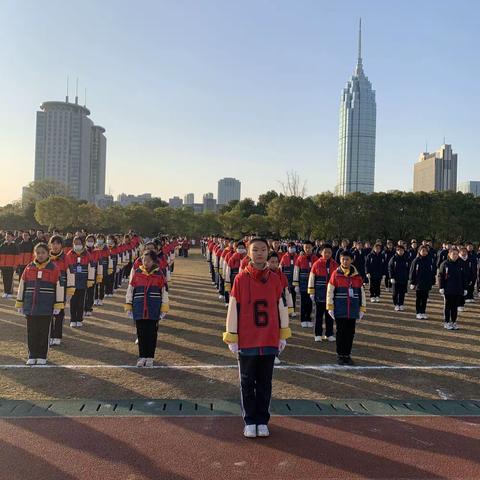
(205, 407)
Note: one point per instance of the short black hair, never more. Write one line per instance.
(259, 239)
(152, 254)
(346, 253)
(56, 239)
(326, 245)
(272, 254)
(307, 242)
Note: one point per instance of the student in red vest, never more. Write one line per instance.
(112, 265)
(318, 280)
(40, 295)
(233, 266)
(346, 304)
(95, 257)
(287, 265)
(83, 271)
(102, 269)
(25, 253)
(147, 303)
(8, 262)
(301, 273)
(256, 330)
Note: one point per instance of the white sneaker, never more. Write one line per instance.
(88, 314)
(445, 325)
(372, 300)
(449, 326)
(318, 338)
(397, 308)
(100, 303)
(79, 324)
(95, 302)
(277, 361)
(331, 338)
(377, 299)
(4, 295)
(424, 316)
(9, 295)
(461, 309)
(401, 308)
(73, 324)
(304, 324)
(310, 324)
(41, 361)
(419, 316)
(262, 431)
(250, 431)
(31, 361)
(454, 326)
(57, 341)
(136, 341)
(294, 314)
(141, 362)
(469, 300)
(149, 362)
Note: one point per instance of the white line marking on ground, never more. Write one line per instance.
(279, 367)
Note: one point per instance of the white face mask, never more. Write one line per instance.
(292, 250)
(78, 248)
(90, 244)
(100, 242)
(241, 250)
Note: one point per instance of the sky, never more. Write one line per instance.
(191, 91)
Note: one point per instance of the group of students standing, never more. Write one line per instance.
(78, 271)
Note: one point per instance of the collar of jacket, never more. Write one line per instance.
(55, 257)
(259, 275)
(350, 272)
(41, 265)
(146, 272)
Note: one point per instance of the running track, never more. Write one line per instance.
(212, 448)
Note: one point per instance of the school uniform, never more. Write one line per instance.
(422, 277)
(147, 299)
(388, 254)
(317, 285)
(301, 273)
(359, 258)
(453, 281)
(469, 266)
(8, 262)
(39, 294)
(375, 269)
(346, 298)
(233, 269)
(90, 295)
(257, 320)
(102, 273)
(398, 270)
(287, 266)
(25, 255)
(111, 270)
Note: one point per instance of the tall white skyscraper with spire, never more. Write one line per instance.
(356, 136)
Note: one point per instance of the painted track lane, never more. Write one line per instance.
(206, 448)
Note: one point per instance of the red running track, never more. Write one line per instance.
(213, 448)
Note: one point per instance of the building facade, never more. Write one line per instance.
(189, 199)
(70, 149)
(209, 203)
(125, 200)
(436, 172)
(472, 187)
(357, 133)
(175, 202)
(228, 190)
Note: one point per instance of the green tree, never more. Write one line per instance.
(55, 211)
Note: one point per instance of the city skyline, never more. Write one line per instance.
(216, 94)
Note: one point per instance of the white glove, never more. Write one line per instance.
(56, 311)
(67, 300)
(312, 298)
(392, 281)
(233, 347)
(412, 287)
(281, 346)
(362, 314)
(465, 293)
(20, 310)
(442, 291)
(162, 315)
(130, 314)
(297, 289)
(330, 312)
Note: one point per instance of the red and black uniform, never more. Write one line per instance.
(301, 274)
(60, 261)
(8, 262)
(25, 255)
(102, 272)
(287, 265)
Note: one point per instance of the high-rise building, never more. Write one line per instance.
(128, 199)
(70, 149)
(228, 190)
(436, 172)
(175, 202)
(472, 187)
(189, 199)
(209, 203)
(357, 131)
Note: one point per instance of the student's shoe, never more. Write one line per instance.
(220, 297)
(449, 326)
(377, 299)
(331, 338)
(401, 308)
(318, 338)
(372, 300)
(73, 324)
(419, 316)
(349, 361)
(9, 295)
(226, 305)
(454, 326)
(141, 362)
(57, 341)
(79, 324)
(87, 314)
(41, 361)
(262, 431)
(250, 431)
(136, 341)
(31, 361)
(324, 338)
(277, 361)
(95, 302)
(461, 309)
(445, 325)
(424, 316)
(50, 342)
(4, 295)
(149, 362)
(100, 303)
(309, 324)
(294, 314)
(397, 308)
(341, 360)
(469, 300)
(304, 324)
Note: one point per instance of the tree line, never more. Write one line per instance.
(437, 216)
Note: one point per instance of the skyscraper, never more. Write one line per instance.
(436, 172)
(228, 190)
(189, 199)
(70, 149)
(472, 187)
(357, 130)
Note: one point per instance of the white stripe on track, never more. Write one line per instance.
(321, 368)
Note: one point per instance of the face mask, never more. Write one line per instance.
(241, 250)
(292, 250)
(110, 242)
(100, 242)
(78, 248)
(90, 244)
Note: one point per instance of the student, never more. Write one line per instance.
(147, 303)
(112, 265)
(81, 267)
(319, 277)
(102, 269)
(388, 254)
(469, 266)
(287, 265)
(233, 268)
(422, 277)
(257, 330)
(301, 273)
(94, 256)
(59, 259)
(359, 256)
(375, 270)
(452, 281)
(8, 262)
(40, 295)
(25, 253)
(346, 304)
(472, 268)
(398, 270)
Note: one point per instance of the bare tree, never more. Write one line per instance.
(294, 187)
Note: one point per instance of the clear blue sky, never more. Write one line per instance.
(190, 91)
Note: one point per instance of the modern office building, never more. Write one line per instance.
(128, 199)
(175, 202)
(70, 149)
(209, 203)
(436, 172)
(228, 190)
(472, 187)
(357, 131)
(189, 199)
